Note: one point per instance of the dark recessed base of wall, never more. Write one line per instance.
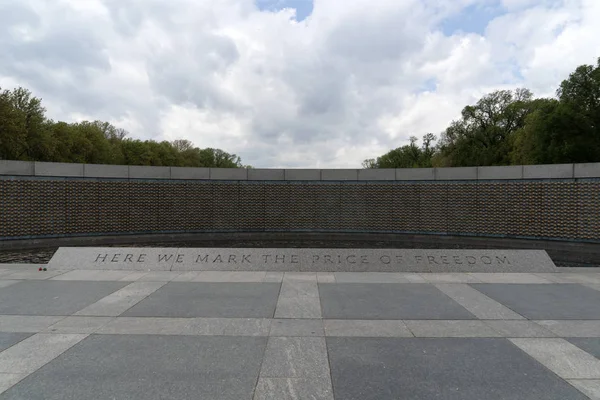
(562, 253)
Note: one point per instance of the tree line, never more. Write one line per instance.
(27, 134)
(513, 128)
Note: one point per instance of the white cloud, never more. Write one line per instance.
(353, 80)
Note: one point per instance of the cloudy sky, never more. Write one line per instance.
(288, 83)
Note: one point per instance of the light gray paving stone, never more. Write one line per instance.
(519, 329)
(450, 329)
(476, 302)
(294, 389)
(33, 275)
(134, 276)
(561, 357)
(79, 325)
(300, 276)
(589, 387)
(122, 300)
(26, 323)
(572, 328)
(414, 277)
(36, 351)
(9, 339)
(231, 326)
(159, 276)
(7, 283)
(273, 276)
(9, 380)
(553, 277)
(325, 277)
(369, 277)
(299, 289)
(295, 357)
(366, 328)
(147, 326)
(189, 276)
(585, 278)
(456, 277)
(297, 327)
(230, 276)
(508, 278)
(298, 307)
(87, 275)
(187, 326)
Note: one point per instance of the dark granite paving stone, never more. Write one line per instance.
(10, 339)
(145, 367)
(53, 297)
(591, 345)
(449, 369)
(218, 300)
(559, 301)
(388, 301)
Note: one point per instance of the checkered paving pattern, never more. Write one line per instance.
(274, 335)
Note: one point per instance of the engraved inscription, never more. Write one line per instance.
(315, 259)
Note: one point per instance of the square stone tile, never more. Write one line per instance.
(294, 389)
(209, 299)
(298, 307)
(10, 339)
(449, 369)
(590, 387)
(148, 368)
(369, 328)
(571, 328)
(79, 325)
(519, 329)
(295, 357)
(297, 327)
(53, 297)
(26, 323)
(589, 345)
(433, 329)
(556, 301)
(388, 301)
(369, 277)
(561, 357)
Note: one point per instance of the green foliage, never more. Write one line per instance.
(26, 134)
(510, 127)
(409, 156)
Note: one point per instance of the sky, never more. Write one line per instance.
(288, 83)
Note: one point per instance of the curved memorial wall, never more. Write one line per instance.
(42, 200)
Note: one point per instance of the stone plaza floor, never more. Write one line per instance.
(273, 335)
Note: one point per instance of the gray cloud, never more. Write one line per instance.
(349, 82)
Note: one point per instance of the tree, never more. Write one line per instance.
(482, 136)
(23, 132)
(26, 134)
(582, 91)
(567, 130)
(408, 156)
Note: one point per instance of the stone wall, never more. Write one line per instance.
(544, 202)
